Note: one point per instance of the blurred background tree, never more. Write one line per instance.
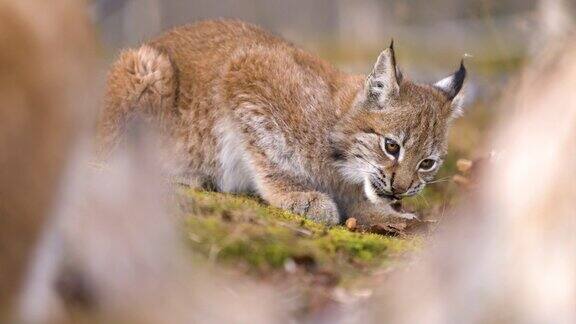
(431, 35)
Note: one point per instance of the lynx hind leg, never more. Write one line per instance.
(141, 81)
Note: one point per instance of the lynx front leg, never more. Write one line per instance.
(315, 205)
(282, 191)
(278, 180)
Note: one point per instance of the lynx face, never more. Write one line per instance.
(395, 139)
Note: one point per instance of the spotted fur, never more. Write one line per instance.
(249, 112)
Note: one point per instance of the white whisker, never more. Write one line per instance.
(439, 180)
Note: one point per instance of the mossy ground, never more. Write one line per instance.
(243, 232)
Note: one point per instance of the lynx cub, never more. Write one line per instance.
(249, 112)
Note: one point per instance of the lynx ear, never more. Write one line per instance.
(452, 84)
(451, 87)
(383, 81)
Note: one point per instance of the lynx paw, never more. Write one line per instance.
(314, 205)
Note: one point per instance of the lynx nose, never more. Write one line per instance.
(397, 190)
(398, 186)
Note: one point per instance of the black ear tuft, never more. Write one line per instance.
(391, 47)
(459, 77)
(452, 84)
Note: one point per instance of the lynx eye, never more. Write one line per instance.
(391, 147)
(426, 165)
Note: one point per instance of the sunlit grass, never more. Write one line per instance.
(243, 231)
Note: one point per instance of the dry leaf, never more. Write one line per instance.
(464, 165)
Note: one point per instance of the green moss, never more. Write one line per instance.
(241, 230)
(358, 247)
